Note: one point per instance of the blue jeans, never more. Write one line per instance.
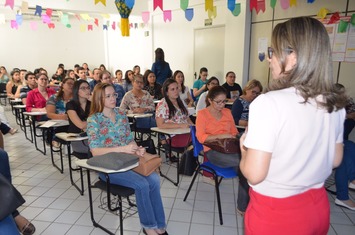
(346, 171)
(8, 226)
(148, 198)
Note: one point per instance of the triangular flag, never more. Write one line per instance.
(352, 20)
(236, 11)
(322, 13)
(102, 1)
(51, 25)
(13, 24)
(158, 3)
(90, 28)
(310, 1)
(10, 3)
(342, 26)
(184, 4)
(272, 3)
(293, 3)
(189, 14)
(213, 13)
(334, 18)
(231, 5)
(24, 7)
(96, 22)
(167, 15)
(38, 10)
(82, 28)
(19, 19)
(285, 4)
(49, 12)
(209, 5)
(145, 16)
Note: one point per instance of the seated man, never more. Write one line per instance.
(23, 225)
(344, 174)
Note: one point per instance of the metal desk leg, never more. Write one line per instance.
(177, 168)
(71, 169)
(35, 135)
(61, 168)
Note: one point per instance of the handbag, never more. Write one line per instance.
(227, 145)
(149, 145)
(148, 163)
(180, 141)
(188, 163)
(10, 198)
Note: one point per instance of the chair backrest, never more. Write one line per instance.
(198, 147)
(2, 87)
(192, 95)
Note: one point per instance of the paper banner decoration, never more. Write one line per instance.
(102, 1)
(157, 3)
(33, 25)
(342, 26)
(124, 12)
(293, 3)
(90, 28)
(130, 4)
(105, 16)
(310, 1)
(236, 11)
(46, 19)
(96, 22)
(38, 10)
(136, 25)
(167, 15)
(2, 19)
(104, 27)
(82, 28)
(85, 16)
(13, 24)
(212, 13)
(49, 12)
(261, 56)
(189, 14)
(114, 26)
(51, 25)
(77, 16)
(334, 18)
(24, 7)
(184, 4)
(19, 19)
(231, 5)
(10, 3)
(322, 13)
(285, 4)
(272, 3)
(209, 5)
(258, 5)
(352, 20)
(145, 16)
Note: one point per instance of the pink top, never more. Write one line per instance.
(36, 100)
(207, 125)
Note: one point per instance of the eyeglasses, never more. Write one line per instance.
(270, 51)
(255, 92)
(213, 84)
(138, 82)
(114, 95)
(84, 88)
(219, 102)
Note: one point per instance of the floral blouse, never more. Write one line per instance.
(58, 103)
(163, 112)
(102, 132)
(130, 102)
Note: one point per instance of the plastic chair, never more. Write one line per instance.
(217, 172)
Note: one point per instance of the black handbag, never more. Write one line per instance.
(188, 163)
(10, 198)
(149, 146)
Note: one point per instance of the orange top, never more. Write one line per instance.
(207, 125)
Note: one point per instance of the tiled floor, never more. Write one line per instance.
(55, 207)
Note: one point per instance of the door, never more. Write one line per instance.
(209, 51)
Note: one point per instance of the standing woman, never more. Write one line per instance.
(289, 153)
(160, 67)
(78, 110)
(184, 91)
(11, 86)
(151, 85)
(240, 107)
(108, 131)
(128, 77)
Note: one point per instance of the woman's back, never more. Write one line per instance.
(293, 131)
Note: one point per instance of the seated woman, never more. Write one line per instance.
(58, 77)
(37, 98)
(240, 107)
(184, 91)
(78, 110)
(216, 122)
(139, 101)
(23, 225)
(201, 103)
(108, 131)
(128, 77)
(233, 89)
(56, 105)
(172, 113)
(151, 85)
(13, 84)
(105, 77)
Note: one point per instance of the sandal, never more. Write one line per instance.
(13, 131)
(28, 229)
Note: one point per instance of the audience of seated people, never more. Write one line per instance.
(233, 89)
(151, 85)
(201, 103)
(13, 83)
(200, 84)
(184, 91)
(105, 77)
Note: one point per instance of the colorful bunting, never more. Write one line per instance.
(51, 25)
(310, 1)
(322, 13)
(49, 12)
(24, 7)
(209, 5)
(258, 5)
(352, 20)
(104, 27)
(167, 15)
(13, 24)
(231, 5)
(293, 3)
(114, 26)
(145, 16)
(273, 3)
(33, 25)
(343, 26)
(38, 10)
(236, 11)
(189, 14)
(46, 19)
(19, 19)
(85, 16)
(334, 18)
(82, 28)
(102, 1)
(130, 4)
(10, 3)
(96, 22)
(184, 4)
(213, 13)
(90, 27)
(285, 4)
(158, 3)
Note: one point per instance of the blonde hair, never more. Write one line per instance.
(252, 84)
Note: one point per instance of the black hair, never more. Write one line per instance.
(172, 109)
